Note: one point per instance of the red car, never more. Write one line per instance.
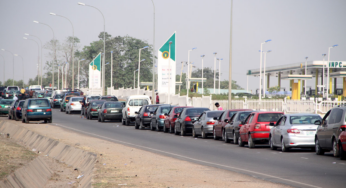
(342, 143)
(221, 123)
(169, 121)
(256, 128)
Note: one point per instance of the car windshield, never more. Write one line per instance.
(48, 95)
(242, 115)
(35, 89)
(77, 99)
(58, 96)
(165, 110)
(301, 120)
(195, 111)
(39, 103)
(97, 103)
(6, 102)
(21, 104)
(94, 98)
(231, 113)
(138, 102)
(270, 117)
(178, 110)
(109, 98)
(67, 99)
(12, 88)
(113, 105)
(214, 114)
(150, 108)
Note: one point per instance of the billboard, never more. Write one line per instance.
(95, 72)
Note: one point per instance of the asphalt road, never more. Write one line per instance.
(298, 168)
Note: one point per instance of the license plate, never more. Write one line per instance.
(39, 110)
(309, 133)
(114, 111)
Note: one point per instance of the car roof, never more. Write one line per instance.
(195, 108)
(303, 114)
(98, 101)
(269, 112)
(239, 110)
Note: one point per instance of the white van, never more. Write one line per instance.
(133, 104)
(35, 87)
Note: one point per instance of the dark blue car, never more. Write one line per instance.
(37, 110)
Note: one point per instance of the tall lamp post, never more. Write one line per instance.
(153, 90)
(264, 73)
(78, 71)
(53, 14)
(134, 79)
(22, 65)
(41, 72)
(181, 73)
(139, 66)
(13, 64)
(214, 70)
(104, 46)
(260, 80)
(306, 72)
(188, 76)
(54, 51)
(220, 73)
(230, 61)
(202, 56)
(3, 70)
(323, 72)
(38, 59)
(328, 64)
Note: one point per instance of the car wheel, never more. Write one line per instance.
(122, 121)
(171, 129)
(240, 142)
(175, 130)
(283, 146)
(335, 148)
(203, 134)
(141, 126)
(157, 127)
(136, 125)
(182, 131)
(27, 119)
(235, 138)
(151, 126)
(194, 133)
(225, 137)
(250, 142)
(318, 149)
(271, 143)
(342, 153)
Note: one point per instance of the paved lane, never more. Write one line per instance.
(298, 168)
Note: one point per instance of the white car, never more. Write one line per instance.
(74, 104)
(132, 105)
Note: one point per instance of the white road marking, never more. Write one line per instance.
(192, 159)
(304, 158)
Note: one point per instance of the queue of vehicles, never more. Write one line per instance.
(239, 126)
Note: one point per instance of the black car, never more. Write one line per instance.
(159, 116)
(93, 109)
(231, 131)
(12, 109)
(109, 98)
(143, 118)
(185, 120)
(110, 111)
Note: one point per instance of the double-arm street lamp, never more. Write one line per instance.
(13, 64)
(139, 66)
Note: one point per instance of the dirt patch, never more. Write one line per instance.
(63, 175)
(12, 157)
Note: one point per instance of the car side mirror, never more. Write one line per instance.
(215, 118)
(272, 124)
(136, 112)
(175, 116)
(226, 120)
(318, 122)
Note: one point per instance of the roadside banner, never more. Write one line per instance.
(166, 66)
(95, 72)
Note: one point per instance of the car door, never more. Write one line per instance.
(278, 130)
(334, 125)
(243, 130)
(198, 124)
(179, 120)
(138, 116)
(321, 130)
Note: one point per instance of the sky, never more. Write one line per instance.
(298, 29)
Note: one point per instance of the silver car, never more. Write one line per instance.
(74, 104)
(294, 131)
(204, 125)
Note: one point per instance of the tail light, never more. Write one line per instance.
(0, 107)
(293, 131)
(162, 116)
(29, 110)
(49, 110)
(187, 118)
(174, 119)
(93, 110)
(19, 108)
(105, 111)
(72, 104)
(55, 99)
(128, 109)
(343, 128)
(210, 122)
(146, 114)
(257, 126)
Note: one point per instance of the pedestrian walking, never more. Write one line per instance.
(157, 98)
(83, 107)
(218, 106)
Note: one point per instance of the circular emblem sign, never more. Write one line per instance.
(94, 67)
(165, 55)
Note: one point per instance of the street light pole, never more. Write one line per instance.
(111, 71)
(306, 71)
(22, 66)
(78, 71)
(202, 74)
(134, 79)
(153, 90)
(188, 76)
(13, 64)
(219, 73)
(264, 73)
(38, 57)
(328, 89)
(54, 51)
(324, 55)
(260, 80)
(139, 66)
(214, 69)
(65, 84)
(41, 72)
(181, 74)
(104, 46)
(3, 68)
(58, 76)
(53, 14)
(230, 61)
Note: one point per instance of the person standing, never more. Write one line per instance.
(83, 107)
(218, 106)
(15, 98)
(22, 90)
(157, 98)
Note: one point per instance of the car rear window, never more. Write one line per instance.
(97, 103)
(39, 103)
(301, 120)
(196, 111)
(12, 88)
(243, 115)
(138, 102)
(67, 99)
(214, 114)
(270, 117)
(178, 110)
(113, 105)
(58, 96)
(165, 110)
(21, 104)
(76, 99)
(6, 102)
(109, 98)
(94, 98)
(150, 108)
(231, 113)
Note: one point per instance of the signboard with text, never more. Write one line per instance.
(95, 72)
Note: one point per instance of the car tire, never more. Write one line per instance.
(283, 146)
(136, 125)
(171, 129)
(225, 137)
(182, 131)
(318, 149)
(122, 121)
(235, 138)
(240, 142)
(335, 148)
(194, 135)
(250, 142)
(141, 126)
(342, 153)
(151, 126)
(203, 135)
(271, 144)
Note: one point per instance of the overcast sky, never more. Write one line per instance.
(297, 29)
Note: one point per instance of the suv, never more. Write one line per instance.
(10, 91)
(36, 110)
(133, 104)
(328, 131)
